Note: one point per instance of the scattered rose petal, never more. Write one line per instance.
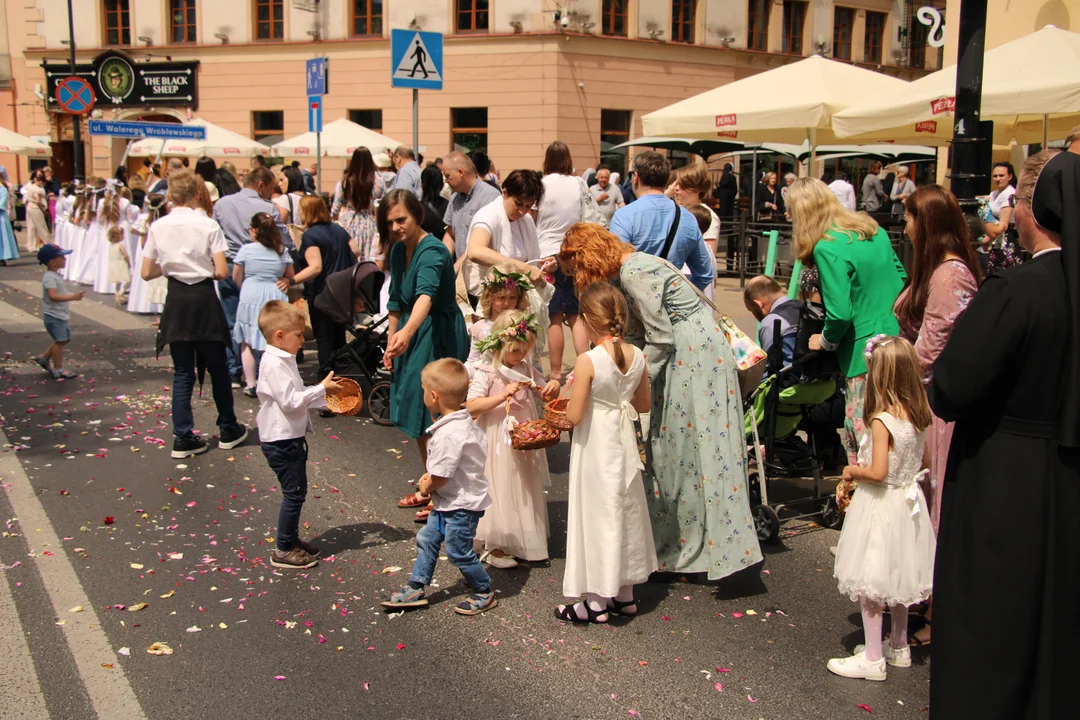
(168, 595)
(109, 520)
(279, 677)
(719, 687)
(631, 713)
(191, 504)
(159, 648)
(864, 706)
(751, 699)
(136, 566)
(137, 607)
(125, 651)
(77, 609)
(736, 614)
(391, 569)
(401, 646)
(194, 629)
(722, 670)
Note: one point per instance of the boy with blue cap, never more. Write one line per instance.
(54, 309)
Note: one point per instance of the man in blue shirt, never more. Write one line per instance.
(408, 171)
(646, 222)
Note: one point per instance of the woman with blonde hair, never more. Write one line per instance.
(860, 280)
(695, 479)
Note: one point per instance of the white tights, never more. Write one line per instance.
(871, 620)
(247, 359)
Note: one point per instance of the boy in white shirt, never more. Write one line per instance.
(455, 480)
(283, 423)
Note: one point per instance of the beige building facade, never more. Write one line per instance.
(518, 74)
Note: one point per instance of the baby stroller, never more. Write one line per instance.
(351, 298)
(775, 411)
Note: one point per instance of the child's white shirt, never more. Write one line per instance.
(284, 402)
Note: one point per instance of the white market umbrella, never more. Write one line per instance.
(219, 142)
(789, 104)
(339, 139)
(1025, 82)
(12, 143)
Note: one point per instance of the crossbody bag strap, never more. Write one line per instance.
(671, 233)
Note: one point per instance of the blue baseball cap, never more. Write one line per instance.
(50, 252)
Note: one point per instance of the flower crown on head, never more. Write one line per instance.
(518, 332)
(875, 342)
(498, 280)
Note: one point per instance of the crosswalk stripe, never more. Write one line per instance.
(14, 320)
(110, 317)
(20, 692)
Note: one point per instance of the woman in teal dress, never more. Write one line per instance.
(425, 322)
(695, 477)
(9, 250)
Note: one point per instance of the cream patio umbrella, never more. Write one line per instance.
(339, 139)
(789, 104)
(12, 143)
(219, 142)
(1025, 82)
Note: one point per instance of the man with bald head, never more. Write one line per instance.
(470, 194)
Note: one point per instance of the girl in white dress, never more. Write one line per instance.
(516, 524)
(609, 540)
(78, 223)
(112, 211)
(885, 555)
(94, 258)
(142, 297)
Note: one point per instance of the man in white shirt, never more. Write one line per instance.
(843, 190)
(607, 195)
(408, 171)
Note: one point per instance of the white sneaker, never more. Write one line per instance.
(503, 563)
(897, 658)
(858, 667)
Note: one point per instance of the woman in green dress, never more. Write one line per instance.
(425, 323)
(695, 477)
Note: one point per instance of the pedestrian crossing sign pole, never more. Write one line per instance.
(416, 62)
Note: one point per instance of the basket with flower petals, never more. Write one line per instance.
(347, 399)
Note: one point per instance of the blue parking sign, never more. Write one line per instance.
(315, 74)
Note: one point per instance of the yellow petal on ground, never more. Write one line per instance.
(138, 606)
(77, 609)
(168, 595)
(159, 648)
(136, 566)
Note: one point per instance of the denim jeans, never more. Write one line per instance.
(288, 460)
(457, 528)
(230, 302)
(183, 357)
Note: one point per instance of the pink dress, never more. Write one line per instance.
(951, 288)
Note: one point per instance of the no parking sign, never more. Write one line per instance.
(75, 95)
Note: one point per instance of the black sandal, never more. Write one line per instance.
(569, 614)
(618, 607)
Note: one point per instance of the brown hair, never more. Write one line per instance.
(449, 378)
(702, 215)
(260, 175)
(557, 159)
(266, 232)
(313, 210)
(694, 178)
(490, 291)
(894, 381)
(184, 187)
(603, 308)
(940, 230)
(591, 254)
(382, 222)
(1033, 166)
(759, 288)
(1074, 135)
(279, 315)
(652, 168)
(115, 234)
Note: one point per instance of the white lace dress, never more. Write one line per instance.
(886, 549)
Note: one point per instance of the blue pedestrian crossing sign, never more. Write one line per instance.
(416, 59)
(314, 113)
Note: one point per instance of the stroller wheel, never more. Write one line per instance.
(831, 517)
(753, 483)
(378, 403)
(766, 523)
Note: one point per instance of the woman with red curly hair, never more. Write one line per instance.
(695, 479)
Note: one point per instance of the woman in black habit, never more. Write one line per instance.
(1007, 574)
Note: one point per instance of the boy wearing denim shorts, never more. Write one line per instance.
(54, 309)
(457, 453)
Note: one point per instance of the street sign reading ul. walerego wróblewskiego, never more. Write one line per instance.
(131, 129)
(416, 60)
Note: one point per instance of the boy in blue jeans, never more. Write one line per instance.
(54, 309)
(457, 453)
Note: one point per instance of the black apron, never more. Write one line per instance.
(192, 313)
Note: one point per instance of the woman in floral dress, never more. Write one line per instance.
(695, 479)
(354, 202)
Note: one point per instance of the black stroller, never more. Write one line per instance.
(361, 358)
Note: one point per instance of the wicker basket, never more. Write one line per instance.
(555, 411)
(348, 399)
(845, 490)
(534, 435)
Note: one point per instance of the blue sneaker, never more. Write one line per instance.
(406, 597)
(476, 604)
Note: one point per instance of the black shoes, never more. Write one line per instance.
(231, 437)
(184, 447)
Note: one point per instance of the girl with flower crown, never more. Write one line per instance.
(504, 393)
(503, 289)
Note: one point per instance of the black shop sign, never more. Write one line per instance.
(118, 81)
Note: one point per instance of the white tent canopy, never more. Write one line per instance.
(219, 142)
(12, 143)
(339, 139)
(1023, 81)
(789, 104)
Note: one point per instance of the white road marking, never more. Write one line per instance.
(20, 692)
(110, 317)
(15, 321)
(109, 690)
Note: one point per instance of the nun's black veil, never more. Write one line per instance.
(1056, 207)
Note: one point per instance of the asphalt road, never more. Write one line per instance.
(98, 516)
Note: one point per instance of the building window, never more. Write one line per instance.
(682, 20)
(269, 19)
(371, 119)
(917, 33)
(182, 21)
(843, 22)
(794, 24)
(268, 126)
(613, 18)
(117, 22)
(367, 18)
(469, 128)
(875, 37)
(614, 130)
(758, 24)
(472, 15)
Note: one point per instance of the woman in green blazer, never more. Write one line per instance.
(861, 278)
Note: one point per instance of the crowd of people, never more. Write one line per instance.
(957, 375)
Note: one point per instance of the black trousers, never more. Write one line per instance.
(329, 336)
